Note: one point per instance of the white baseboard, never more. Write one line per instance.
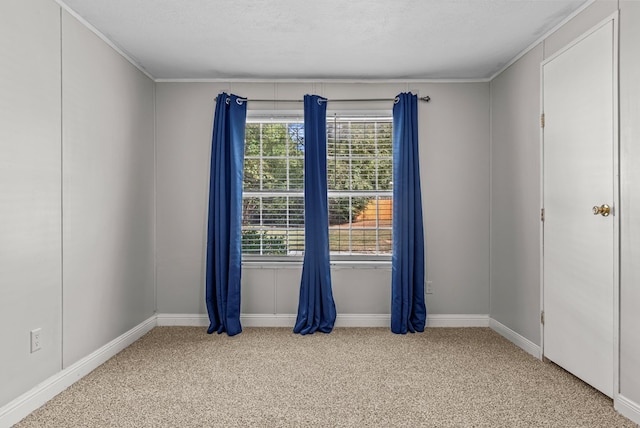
(273, 320)
(247, 320)
(458, 320)
(268, 320)
(516, 338)
(627, 408)
(289, 320)
(182, 320)
(363, 320)
(342, 320)
(19, 408)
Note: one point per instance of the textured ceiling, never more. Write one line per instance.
(323, 39)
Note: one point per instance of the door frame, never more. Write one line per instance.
(616, 193)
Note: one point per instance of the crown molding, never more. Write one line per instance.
(104, 38)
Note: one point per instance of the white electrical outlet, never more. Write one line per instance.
(429, 288)
(36, 340)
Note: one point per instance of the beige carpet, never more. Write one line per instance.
(182, 377)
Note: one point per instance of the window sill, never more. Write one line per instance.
(338, 264)
(361, 264)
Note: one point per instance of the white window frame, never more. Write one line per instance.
(354, 260)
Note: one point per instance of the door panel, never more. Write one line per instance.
(578, 174)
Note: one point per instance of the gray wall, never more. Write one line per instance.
(76, 192)
(108, 193)
(630, 200)
(515, 196)
(515, 188)
(454, 138)
(30, 173)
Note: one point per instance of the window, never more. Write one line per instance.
(273, 188)
(359, 178)
(359, 173)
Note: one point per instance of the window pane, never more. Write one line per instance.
(251, 178)
(363, 139)
(251, 241)
(338, 174)
(383, 139)
(274, 174)
(252, 139)
(274, 139)
(385, 212)
(339, 224)
(338, 140)
(385, 174)
(296, 174)
(273, 225)
(251, 212)
(360, 225)
(295, 140)
(363, 174)
(384, 241)
(339, 211)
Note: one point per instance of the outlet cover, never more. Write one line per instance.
(428, 289)
(36, 342)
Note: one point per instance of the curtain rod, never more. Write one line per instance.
(426, 99)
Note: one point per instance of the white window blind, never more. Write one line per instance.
(273, 186)
(359, 175)
(359, 171)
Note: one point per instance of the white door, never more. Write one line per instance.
(579, 173)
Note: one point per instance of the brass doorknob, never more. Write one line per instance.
(604, 210)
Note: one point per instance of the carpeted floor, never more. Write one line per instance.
(356, 377)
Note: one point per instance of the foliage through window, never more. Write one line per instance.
(359, 178)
